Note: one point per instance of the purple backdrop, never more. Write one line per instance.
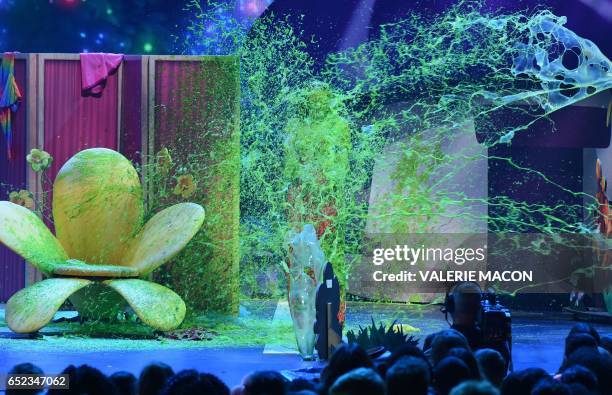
(13, 177)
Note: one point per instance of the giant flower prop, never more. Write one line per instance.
(102, 252)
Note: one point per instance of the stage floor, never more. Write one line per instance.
(260, 338)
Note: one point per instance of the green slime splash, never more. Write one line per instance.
(310, 139)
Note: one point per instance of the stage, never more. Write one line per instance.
(260, 338)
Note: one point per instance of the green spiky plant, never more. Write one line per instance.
(390, 337)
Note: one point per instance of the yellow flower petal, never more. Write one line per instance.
(97, 206)
(156, 305)
(164, 236)
(14, 197)
(24, 232)
(28, 203)
(33, 307)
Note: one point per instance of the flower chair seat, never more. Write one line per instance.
(98, 217)
(74, 268)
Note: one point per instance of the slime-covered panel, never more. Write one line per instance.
(13, 177)
(196, 118)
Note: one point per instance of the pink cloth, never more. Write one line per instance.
(95, 69)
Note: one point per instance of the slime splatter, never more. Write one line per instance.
(417, 90)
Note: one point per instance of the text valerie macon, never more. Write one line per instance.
(410, 256)
(453, 276)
